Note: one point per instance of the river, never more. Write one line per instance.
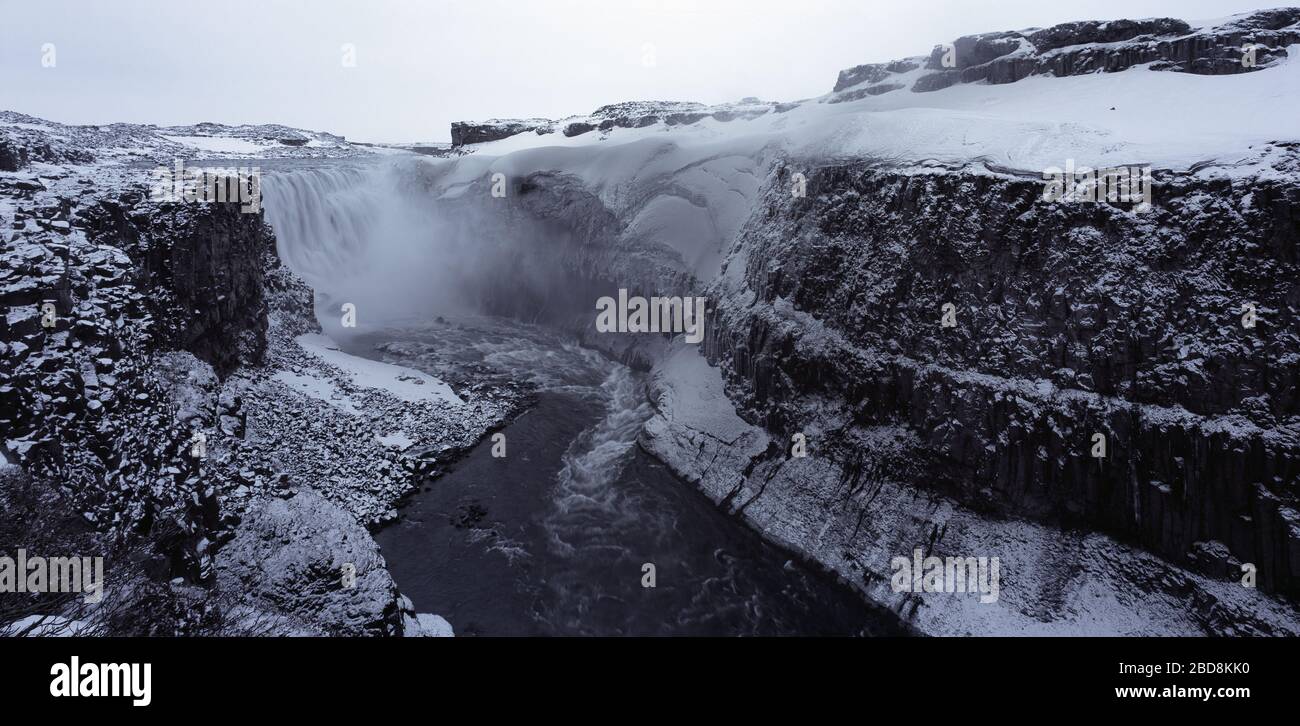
(554, 537)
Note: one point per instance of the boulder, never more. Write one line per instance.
(307, 559)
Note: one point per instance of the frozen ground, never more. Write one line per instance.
(1100, 120)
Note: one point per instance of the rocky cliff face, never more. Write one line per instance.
(1242, 44)
(99, 296)
(626, 115)
(203, 267)
(144, 353)
(1070, 321)
(1168, 334)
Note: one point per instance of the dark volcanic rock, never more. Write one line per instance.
(974, 50)
(857, 93)
(869, 73)
(12, 156)
(307, 559)
(1069, 49)
(470, 132)
(626, 115)
(203, 265)
(936, 81)
(578, 128)
(1074, 320)
(1093, 31)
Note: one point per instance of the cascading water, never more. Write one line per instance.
(368, 236)
(323, 219)
(585, 501)
(555, 537)
(388, 239)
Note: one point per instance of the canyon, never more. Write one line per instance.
(828, 236)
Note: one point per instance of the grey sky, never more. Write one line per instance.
(422, 65)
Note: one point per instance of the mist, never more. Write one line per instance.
(386, 239)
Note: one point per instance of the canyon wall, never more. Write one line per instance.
(1070, 320)
(105, 298)
(139, 352)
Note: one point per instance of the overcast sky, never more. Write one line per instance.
(421, 65)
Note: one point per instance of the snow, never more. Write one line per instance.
(318, 388)
(398, 440)
(427, 625)
(691, 395)
(1029, 125)
(43, 626)
(380, 150)
(683, 225)
(406, 384)
(31, 127)
(704, 176)
(218, 144)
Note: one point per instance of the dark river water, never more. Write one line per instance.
(552, 539)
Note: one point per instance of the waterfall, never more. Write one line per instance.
(389, 239)
(369, 236)
(321, 218)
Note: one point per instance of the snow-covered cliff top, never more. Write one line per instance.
(1015, 101)
(54, 142)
